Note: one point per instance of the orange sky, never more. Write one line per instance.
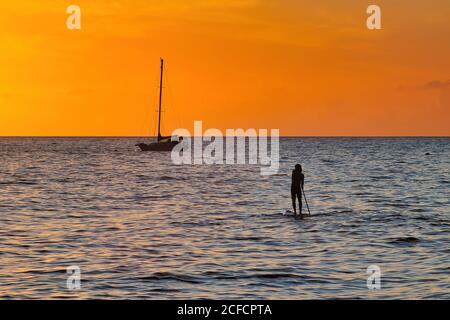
(307, 67)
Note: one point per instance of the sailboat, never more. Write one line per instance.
(163, 143)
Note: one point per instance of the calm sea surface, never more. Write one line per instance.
(139, 227)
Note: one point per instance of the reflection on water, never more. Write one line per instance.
(139, 227)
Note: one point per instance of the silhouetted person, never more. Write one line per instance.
(298, 180)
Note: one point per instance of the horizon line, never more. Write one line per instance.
(286, 136)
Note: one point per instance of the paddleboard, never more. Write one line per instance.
(290, 213)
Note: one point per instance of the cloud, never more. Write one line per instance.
(431, 85)
(436, 84)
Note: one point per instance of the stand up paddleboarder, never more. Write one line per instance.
(298, 181)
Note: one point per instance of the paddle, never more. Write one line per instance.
(306, 201)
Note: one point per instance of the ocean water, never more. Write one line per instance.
(139, 227)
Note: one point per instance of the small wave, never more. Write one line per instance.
(419, 210)
(423, 218)
(164, 276)
(381, 178)
(404, 240)
(41, 271)
(248, 238)
(333, 213)
(152, 197)
(158, 276)
(244, 203)
(274, 276)
(194, 223)
(278, 275)
(25, 183)
(169, 178)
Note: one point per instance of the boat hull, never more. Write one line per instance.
(157, 146)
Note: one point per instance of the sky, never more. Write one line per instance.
(306, 67)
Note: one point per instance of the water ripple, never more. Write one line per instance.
(139, 227)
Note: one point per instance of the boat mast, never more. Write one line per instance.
(160, 100)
